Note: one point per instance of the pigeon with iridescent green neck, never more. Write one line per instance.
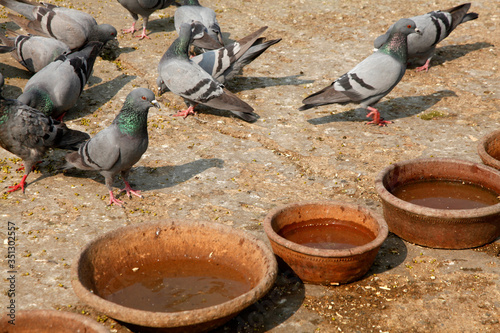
(118, 147)
(371, 79)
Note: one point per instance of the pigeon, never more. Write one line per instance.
(190, 11)
(435, 26)
(225, 63)
(144, 8)
(34, 52)
(371, 79)
(187, 79)
(72, 27)
(28, 133)
(118, 147)
(56, 88)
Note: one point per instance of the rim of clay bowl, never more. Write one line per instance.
(41, 318)
(274, 236)
(434, 212)
(481, 150)
(179, 318)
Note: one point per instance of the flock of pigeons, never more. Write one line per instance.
(62, 44)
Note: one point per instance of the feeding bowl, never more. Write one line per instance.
(49, 321)
(488, 149)
(440, 227)
(329, 260)
(189, 252)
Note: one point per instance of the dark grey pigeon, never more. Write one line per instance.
(371, 79)
(72, 27)
(187, 79)
(144, 8)
(118, 147)
(56, 88)
(434, 26)
(28, 133)
(190, 11)
(34, 52)
(225, 63)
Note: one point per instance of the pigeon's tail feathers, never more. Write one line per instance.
(7, 41)
(65, 138)
(259, 47)
(25, 9)
(6, 49)
(459, 15)
(29, 26)
(325, 96)
(248, 117)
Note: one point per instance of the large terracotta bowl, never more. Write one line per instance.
(49, 321)
(488, 149)
(325, 266)
(439, 228)
(155, 244)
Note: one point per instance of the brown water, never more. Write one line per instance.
(444, 194)
(178, 286)
(327, 234)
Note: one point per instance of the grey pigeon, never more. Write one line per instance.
(435, 26)
(28, 133)
(72, 27)
(187, 79)
(34, 52)
(56, 88)
(144, 8)
(118, 147)
(190, 11)
(225, 63)
(371, 79)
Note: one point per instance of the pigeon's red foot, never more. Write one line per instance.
(113, 200)
(132, 29)
(21, 185)
(377, 120)
(185, 113)
(425, 67)
(143, 35)
(130, 191)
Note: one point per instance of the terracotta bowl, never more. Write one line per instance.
(439, 228)
(325, 266)
(49, 321)
(488, 149)
(155, 244)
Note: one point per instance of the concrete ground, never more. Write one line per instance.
(221, 169)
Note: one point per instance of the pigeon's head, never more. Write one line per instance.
(104, 33)
(406, 26)
(200, 37)
(142, 99)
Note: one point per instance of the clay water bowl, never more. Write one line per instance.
(49, 321)
(488, 149)
(328, 260)
(440, 227)
(139, 255)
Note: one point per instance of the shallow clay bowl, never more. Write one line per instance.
(50, 321)
(488, 149)
(325, 266)
(155, 243)
(439, 228)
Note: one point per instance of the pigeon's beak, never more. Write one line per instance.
(155, 104)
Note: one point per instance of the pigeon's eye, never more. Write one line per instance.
(143, 97)
(408, 26)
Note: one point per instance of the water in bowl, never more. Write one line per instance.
(175, 285)
(446, 194)
(327, 233)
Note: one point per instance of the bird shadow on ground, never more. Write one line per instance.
(392, 109)
(244, 83)
(165, 24)
(97, 95)
(147, 178)
(13, 72)
(452, 52)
